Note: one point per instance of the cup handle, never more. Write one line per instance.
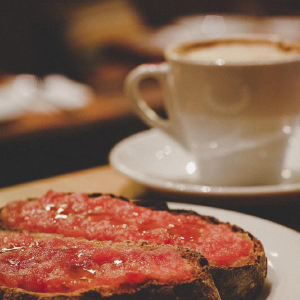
(132, 91)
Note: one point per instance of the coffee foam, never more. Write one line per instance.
(238, 51)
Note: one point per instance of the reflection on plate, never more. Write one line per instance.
(281, 246)
(154, 159)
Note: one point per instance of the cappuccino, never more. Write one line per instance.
(231, 51)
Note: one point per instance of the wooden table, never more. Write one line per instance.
(106, 180)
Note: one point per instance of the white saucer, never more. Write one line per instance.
(281, 245)
(155, 160)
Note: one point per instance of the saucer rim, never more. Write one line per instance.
(191, 188)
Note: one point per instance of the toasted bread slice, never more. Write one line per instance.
(237, 259)
(43, 266)
(244, 279)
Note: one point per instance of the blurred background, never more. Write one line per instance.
(69, 110)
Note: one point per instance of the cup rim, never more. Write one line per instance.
(172, 55)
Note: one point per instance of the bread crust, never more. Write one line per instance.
(189, 291)
(242, 281)
(200, 287)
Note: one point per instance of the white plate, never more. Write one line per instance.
(155, 160)
(24, 93)
(281, 246)
(199, 27)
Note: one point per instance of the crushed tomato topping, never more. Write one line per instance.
(59, 264)
(107, 218)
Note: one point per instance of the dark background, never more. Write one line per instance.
(32, 40)
(31, 32)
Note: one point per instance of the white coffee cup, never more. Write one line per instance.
(232, 103)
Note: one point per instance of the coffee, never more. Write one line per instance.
(230, 51)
